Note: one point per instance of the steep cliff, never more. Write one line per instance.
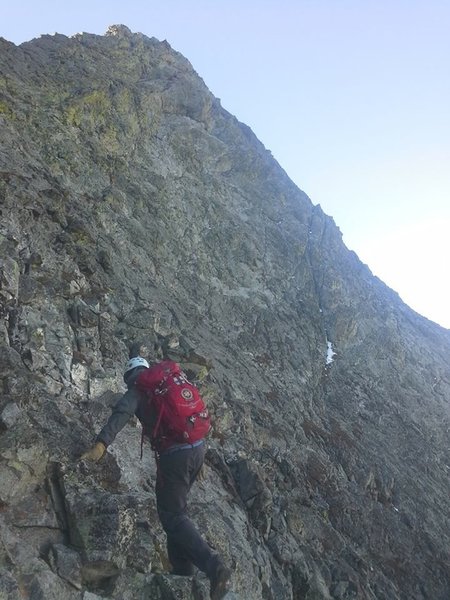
(135, 208)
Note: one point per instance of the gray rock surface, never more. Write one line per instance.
(134, 208)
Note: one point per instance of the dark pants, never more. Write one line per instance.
(177, 472)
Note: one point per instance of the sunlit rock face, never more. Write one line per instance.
(134, 208)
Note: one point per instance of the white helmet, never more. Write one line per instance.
(137, 361)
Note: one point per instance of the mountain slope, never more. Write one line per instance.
(135, 208)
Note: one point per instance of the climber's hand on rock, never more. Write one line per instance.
(95, 453)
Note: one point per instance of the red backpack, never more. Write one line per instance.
(180, 413)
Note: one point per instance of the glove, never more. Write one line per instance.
(95, 453)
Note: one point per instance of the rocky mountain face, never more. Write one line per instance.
(135, 209)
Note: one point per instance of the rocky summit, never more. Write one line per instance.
(136, 210)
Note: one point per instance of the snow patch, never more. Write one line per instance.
(330, 353)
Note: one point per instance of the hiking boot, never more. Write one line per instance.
(220, 582)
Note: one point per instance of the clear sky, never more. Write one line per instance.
(351, 96)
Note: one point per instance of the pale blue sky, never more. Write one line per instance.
(351, 96)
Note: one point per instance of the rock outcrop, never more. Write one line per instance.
(135, 208)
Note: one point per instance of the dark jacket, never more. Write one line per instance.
(128, 406)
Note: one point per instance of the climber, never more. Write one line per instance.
(177, 468)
